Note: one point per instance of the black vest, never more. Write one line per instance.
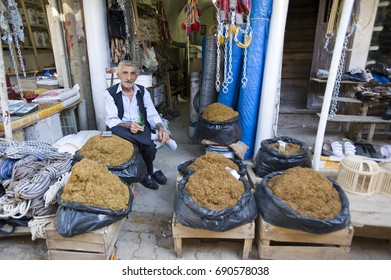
(120, 106)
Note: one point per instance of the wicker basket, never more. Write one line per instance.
(358, 175)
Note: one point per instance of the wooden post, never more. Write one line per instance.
(4, 98)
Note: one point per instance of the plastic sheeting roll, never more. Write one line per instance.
(208, 93)
(249, 96)
(229, 96)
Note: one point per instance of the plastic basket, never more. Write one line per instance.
(68, 121)
(384, 182)
(358, 175)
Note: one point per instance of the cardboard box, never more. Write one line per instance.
(196, 65)
(47, 130)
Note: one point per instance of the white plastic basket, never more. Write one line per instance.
(384, 181)
(358, 175)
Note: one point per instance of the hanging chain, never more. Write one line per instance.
(231, 31)
(14, 36)
(334, 100)
(220, 36)
(225, 83)
(247, 33)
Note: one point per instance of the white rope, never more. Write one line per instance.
(50, 195)
(37, 226)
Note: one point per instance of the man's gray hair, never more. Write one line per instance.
(128, 63)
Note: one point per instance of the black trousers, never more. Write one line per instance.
(142, 140)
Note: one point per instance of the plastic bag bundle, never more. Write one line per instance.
(192, 215)
(278, 213)
(269, 160)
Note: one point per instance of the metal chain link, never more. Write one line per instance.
(246, 34)
(225, 83)
(14, 36)
(231, 28)
(334, 100)
(220, 28)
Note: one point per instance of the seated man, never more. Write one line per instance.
(131, 114)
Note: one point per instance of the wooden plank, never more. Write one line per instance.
(351, 82)
(283, 243)
(95, 241)
(18, 231)
(346, 99)
(276, 233)
(75, 246)
(357, 119)
(246, 232)
(242, 232)
(303, 252)
(69, 255)
(370, 210)
(253, 179)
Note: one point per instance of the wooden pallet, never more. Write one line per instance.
(253, 179)
(94, 245)
(18, 231)
(246, 232)
(371, 215)
(280, 243)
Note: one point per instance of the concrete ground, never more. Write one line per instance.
(147, 233)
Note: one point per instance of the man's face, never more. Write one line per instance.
(127, 75)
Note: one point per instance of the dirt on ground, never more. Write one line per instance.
(212, 161)
(219, 112)
(214, 188)
(110, 151)
(308, 192)
(290, 148)
(93, 184)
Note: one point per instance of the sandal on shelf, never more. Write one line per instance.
(362, 150)
(326, 149)
(350, 149)
(337, 149)
(372, 151)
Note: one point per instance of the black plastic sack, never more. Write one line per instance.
(183, 167)
(278, 213)
(192, 215)
(132, 171)
(269, 160)
(73, 218)
(225, 133)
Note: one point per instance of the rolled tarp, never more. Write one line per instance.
(249, 95)
(208, 93)
(229, 96)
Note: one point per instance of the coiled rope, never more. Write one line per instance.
(40, 166)
(38, 224)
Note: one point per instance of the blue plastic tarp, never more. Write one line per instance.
(249, 96)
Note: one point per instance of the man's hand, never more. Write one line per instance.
(135, 127)
(163, 135)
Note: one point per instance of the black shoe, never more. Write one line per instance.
(150, 183)
(160, 177)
